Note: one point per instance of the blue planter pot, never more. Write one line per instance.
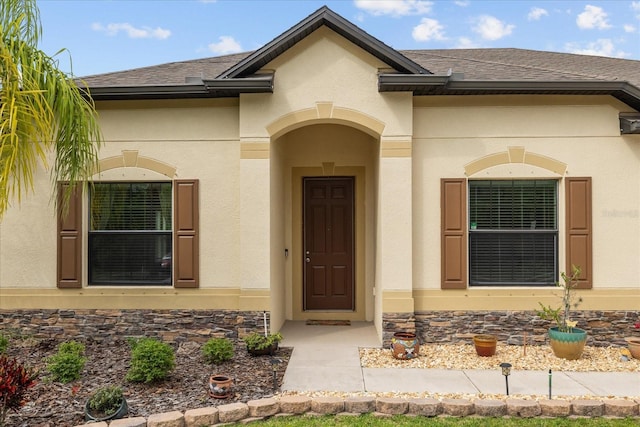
(122, 411)
(567, 345)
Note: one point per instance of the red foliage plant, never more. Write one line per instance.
(15, 380)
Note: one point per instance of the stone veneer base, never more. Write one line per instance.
(604, 328)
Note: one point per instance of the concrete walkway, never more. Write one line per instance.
(326, 358)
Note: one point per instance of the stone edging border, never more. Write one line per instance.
(255, 410)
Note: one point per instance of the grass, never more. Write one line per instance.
(368, 420)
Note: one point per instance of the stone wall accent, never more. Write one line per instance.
(604, 328)
(111, 325)
(240, 412)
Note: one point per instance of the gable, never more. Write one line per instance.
(323, 17)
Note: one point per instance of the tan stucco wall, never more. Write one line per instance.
(327, 117)
(534, 138)
(324, 67)
(194, 139)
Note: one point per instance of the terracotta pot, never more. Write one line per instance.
(567, 345)
(220, 386)
(634, 346)
(485, 344)
(404, 345)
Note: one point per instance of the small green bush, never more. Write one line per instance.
(4, 344)
(151, 360)
(217, 350)
(67, 364)
(257, 341)
(106, 401)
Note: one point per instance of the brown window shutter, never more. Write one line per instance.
(579, 231)
(70, 239)
(453, 207)
(186, 259)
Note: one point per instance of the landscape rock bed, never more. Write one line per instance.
(531, 358)
(184, 393)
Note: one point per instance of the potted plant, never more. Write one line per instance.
(634, 343)
(106, 403)
(262, 344)
(566, 340)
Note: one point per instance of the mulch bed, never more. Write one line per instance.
(61, 405)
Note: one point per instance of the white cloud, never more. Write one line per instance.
(491, 28)
(536, 13)
(226, 45)
(628, 28)
(600, 47)
(462, 3)
(132, 32)
(593, 17)
(428, 29)
(466, 43)
(635, 6)
(395, 7)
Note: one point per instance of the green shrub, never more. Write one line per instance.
(217, 350)
(106, 401)
(71, 347)
(257, 341)
(4, 344)
(67, 364)
(151, 360)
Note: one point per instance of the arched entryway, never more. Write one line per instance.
(323, 191)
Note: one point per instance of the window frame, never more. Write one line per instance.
(72, 228)
(475, 233)
(577, 230)
(142, 234)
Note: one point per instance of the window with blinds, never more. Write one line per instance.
(513, 232)
(130, 233)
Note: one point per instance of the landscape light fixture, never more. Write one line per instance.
(506, 370)
(274, 367)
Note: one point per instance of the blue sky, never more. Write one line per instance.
(110, 35)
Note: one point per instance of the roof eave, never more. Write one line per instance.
(227, 88)
(448, 85)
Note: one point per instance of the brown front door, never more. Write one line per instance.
(328, 243)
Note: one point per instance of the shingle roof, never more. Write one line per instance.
(523, 64)
(476, 64)
(423, 72)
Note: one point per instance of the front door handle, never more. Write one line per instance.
(307, 259)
